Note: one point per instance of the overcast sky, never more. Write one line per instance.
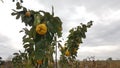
(102, 40)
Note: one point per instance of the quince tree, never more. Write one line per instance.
(41, 37)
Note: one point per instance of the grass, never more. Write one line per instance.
(82, 64)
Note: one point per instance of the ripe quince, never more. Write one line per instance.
(39, 62)
(67, 53)
(41, 29)
(28, 14)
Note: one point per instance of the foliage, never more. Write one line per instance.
(39, 46)
(72, 44)
(0, 57)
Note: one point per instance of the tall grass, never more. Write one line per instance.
(80, 64)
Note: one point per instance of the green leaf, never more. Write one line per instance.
(48, 16)
(28, 20)
(21, 1)
(40, 44)
(24, 9)
(18, 16)
(18, 5)
(13, 13)
(58, 19)
(60, 46)
(25, 40)
(50, 27)
(13, 0)
(34, 34)
(37, 19)
(26, 31)
(15, 53)
(49, 37)
(39, 54)
(84, 28)
(29, 50)
(31, 32)
(89, 24)
(83, 34)
(26, 45)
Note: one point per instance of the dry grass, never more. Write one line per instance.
(100, 64)
(82, 64)
(7, 64)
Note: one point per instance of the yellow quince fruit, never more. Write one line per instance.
(28, 14)
(41, 29)
(67, 53)
(39, 62)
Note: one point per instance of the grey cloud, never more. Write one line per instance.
(65, 8)
(89, 4)
(114, 54)
(102, 34)
(100, 4)
(6, 51)
(106, 34)
(4, 39)
(99, 34)
(5, 47)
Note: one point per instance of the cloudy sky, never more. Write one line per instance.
(102, 38)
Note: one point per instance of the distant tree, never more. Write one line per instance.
(1, 62)
(9, 58)
(84, 59)
(0, 58)
(109, 59)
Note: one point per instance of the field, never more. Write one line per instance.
(100, 64)
(81, 64)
